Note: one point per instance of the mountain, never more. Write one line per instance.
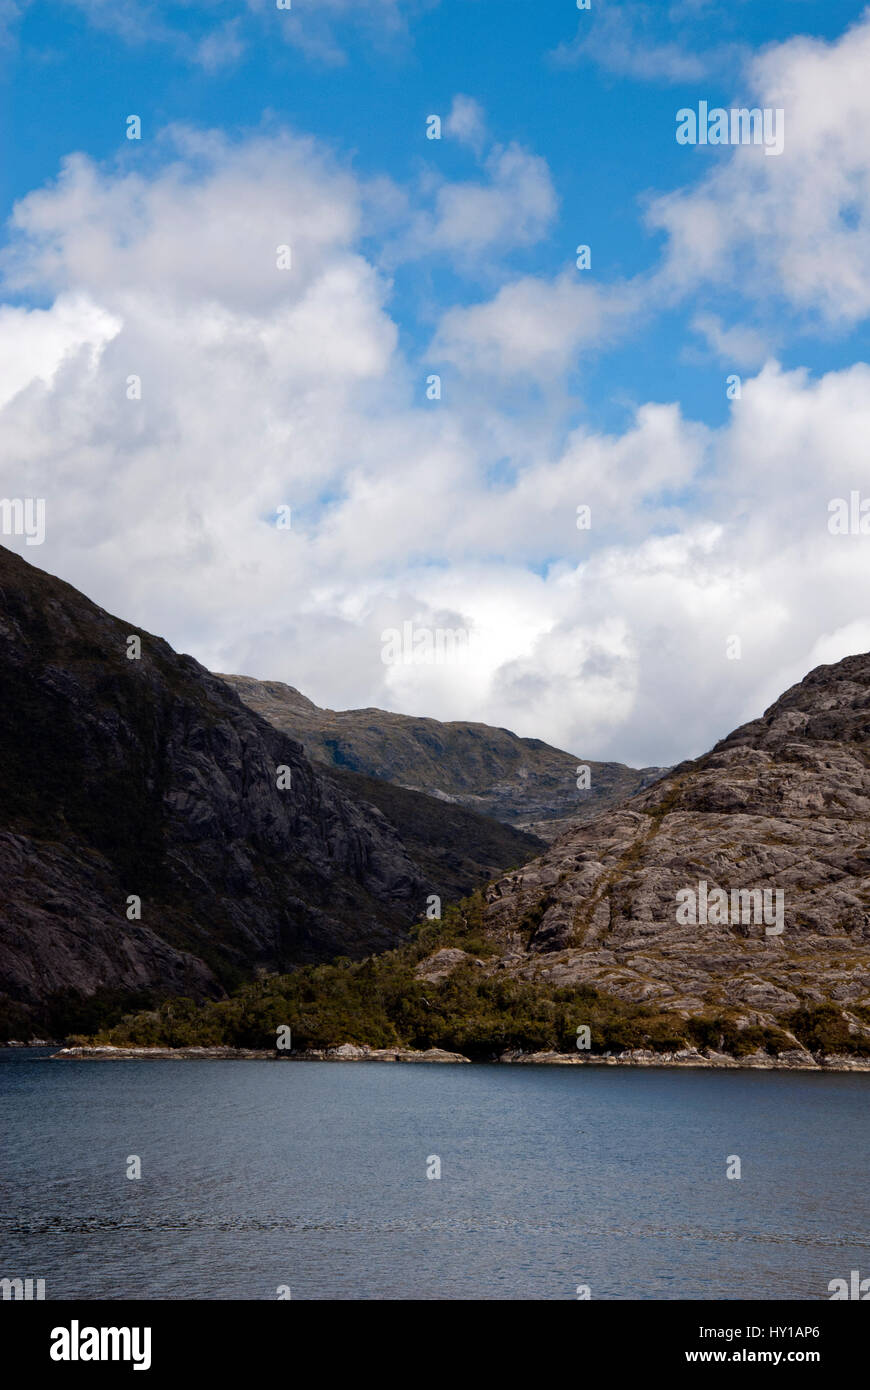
(519, 781)
(641, 926)
(455, 849)
(782, 804)
(148, 778)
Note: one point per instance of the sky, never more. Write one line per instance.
(219, 345)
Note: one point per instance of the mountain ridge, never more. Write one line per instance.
(523, 782)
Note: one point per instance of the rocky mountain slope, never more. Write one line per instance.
(149, 779)
(783, 803)
(455, 849)
(520, 781)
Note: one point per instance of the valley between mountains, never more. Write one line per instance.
(162, 888)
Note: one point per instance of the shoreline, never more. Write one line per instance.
(793, 1061)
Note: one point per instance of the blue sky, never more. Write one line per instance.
(450, 256)
(72, 78)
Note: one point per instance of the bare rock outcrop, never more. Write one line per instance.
(782, 804)
(441, 964)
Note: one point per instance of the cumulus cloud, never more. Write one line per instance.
(791, 228)
(649, 43)
(263, 387)
(205, 226)
(514, 208)
(533, 326)
(221, 48)
(317, 27)
(35, 342)
(466, 122)
(511, 204)
(736, 344)
(216, 33)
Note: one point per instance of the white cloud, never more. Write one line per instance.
(262, 387)
(205, 227)
(633, 40)
(512, 204)
(142, 23)
(466, 122)
(533, 326)
(318, 28)
(34, 342)
(794, 227)
(736, 345)
(514, 209)
(221, 48)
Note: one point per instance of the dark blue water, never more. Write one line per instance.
(313, 1176)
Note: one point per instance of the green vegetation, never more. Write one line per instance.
(823, 1029)
(68, 1012)
(722, 1034)
(379, 1002)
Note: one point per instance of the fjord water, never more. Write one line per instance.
(313, 1176)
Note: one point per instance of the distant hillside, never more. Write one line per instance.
(520, 781)
(456, 850)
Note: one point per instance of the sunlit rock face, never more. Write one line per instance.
(782, 805)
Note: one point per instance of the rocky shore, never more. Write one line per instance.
(345, 1053)
(796, 1060)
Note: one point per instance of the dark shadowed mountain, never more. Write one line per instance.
(520, 781)
(454, 848)
(150, 778)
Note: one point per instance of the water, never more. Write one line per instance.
(313, 1176)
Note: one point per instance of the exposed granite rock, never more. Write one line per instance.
(520, 781)
(797, 1060)
(349, 1053)
(782, 803)
(440, 964)
(346, 1053)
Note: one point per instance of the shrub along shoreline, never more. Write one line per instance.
(379, 1003)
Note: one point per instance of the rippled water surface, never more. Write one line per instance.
(313, 1176)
